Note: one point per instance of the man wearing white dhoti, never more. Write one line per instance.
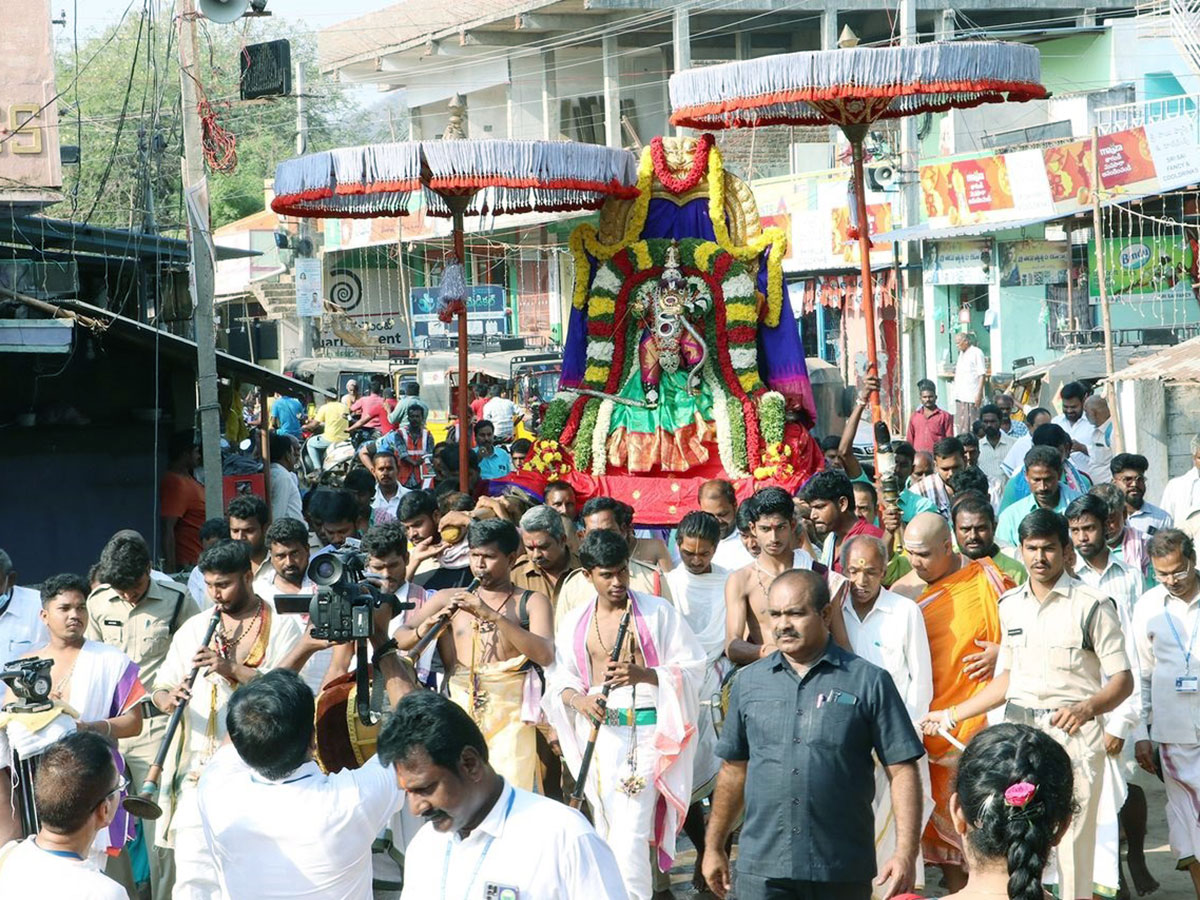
(887, 629)
(1165, 622)
(698, 587)
(250, 638)
(640, 781)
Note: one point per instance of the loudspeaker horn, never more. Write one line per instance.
(223, 11)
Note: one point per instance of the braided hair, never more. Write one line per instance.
(1015, 786)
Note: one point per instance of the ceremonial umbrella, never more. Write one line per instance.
(457, 177)
(852, 88)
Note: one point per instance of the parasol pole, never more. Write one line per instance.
(856, 134)
(458, 206)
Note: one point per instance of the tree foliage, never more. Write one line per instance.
(123, 110)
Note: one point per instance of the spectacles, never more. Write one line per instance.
(122, 783)
(1173, 577)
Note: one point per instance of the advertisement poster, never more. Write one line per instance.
(958, 262)
(487, 313)
(845, 249)
(308, 286)
(1149, 265)
(1028, 184)
(1032, 263)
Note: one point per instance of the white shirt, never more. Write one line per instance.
(26, 870)
(305, 836)
(1124, 585)
(1100, 453)
(968, 375)
(1015, 460)
(1182, 496)
(541, 849)
(21, 628)
(285, 494)
(1172, 717)
(383, 509)
(991, 459)
(1149, 519)
(893, 637)
(500, 411)
(1082, 431)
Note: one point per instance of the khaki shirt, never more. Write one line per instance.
(528, 576)
(143, 630)
(1042, 644)
(576, 590)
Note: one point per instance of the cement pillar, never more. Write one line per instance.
(612, 90)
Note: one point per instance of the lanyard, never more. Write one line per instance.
(482, 856)
(1187, 652)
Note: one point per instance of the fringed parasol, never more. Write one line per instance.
(457, 177)
(852, 88)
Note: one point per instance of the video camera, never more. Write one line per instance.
(343, 606)
(29, 680)
(343, 609)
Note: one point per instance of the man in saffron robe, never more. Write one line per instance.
(640, 781)
(958, 598)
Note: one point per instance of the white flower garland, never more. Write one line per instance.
(721, 418)
(600, 438)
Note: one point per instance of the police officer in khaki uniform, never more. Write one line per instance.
(138, 614)
(548, 558)
(1064, 666)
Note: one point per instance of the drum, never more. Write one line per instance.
(343, 741)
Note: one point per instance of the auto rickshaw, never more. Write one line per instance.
(531, 379)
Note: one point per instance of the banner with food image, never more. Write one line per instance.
(1150, 264)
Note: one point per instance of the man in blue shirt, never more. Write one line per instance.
(804, 722)
(1043, 471)
(494, 462)
(287, 415)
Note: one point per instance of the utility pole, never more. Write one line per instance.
(203, 275)
(1101, 274)
(306, 234)
(910, 206)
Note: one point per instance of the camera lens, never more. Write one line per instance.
(325, 570)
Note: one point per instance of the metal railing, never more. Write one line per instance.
(1110, 119)
(1157, 336)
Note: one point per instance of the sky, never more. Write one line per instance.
(95, 14)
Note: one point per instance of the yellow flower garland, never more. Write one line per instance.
(585, 242)
(774, 238)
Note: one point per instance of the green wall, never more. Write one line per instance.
(1078, 63)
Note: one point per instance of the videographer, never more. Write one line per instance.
(277, 826)
(77, 793)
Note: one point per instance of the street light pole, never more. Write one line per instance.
(203, 274)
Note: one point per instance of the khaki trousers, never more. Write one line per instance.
(139, 753)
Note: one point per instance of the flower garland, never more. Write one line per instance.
(555, 418)
(721, 419)
(776, 463)
(583, 437)
(772, 239)
(600, 438)
(771, 407)
(695, 173)
(585, 241)
(547, 458)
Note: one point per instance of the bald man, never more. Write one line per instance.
(958, 599)
(1100, 454)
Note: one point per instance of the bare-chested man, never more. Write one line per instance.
(773, 527)
(496, 637)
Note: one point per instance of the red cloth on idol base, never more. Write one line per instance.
(664, 499)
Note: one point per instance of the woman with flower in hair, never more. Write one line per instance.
(1012, 803)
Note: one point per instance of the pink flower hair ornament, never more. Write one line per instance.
(1018, 795)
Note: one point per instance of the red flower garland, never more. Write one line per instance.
(696, 172)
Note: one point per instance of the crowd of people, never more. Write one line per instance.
(851, 685)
